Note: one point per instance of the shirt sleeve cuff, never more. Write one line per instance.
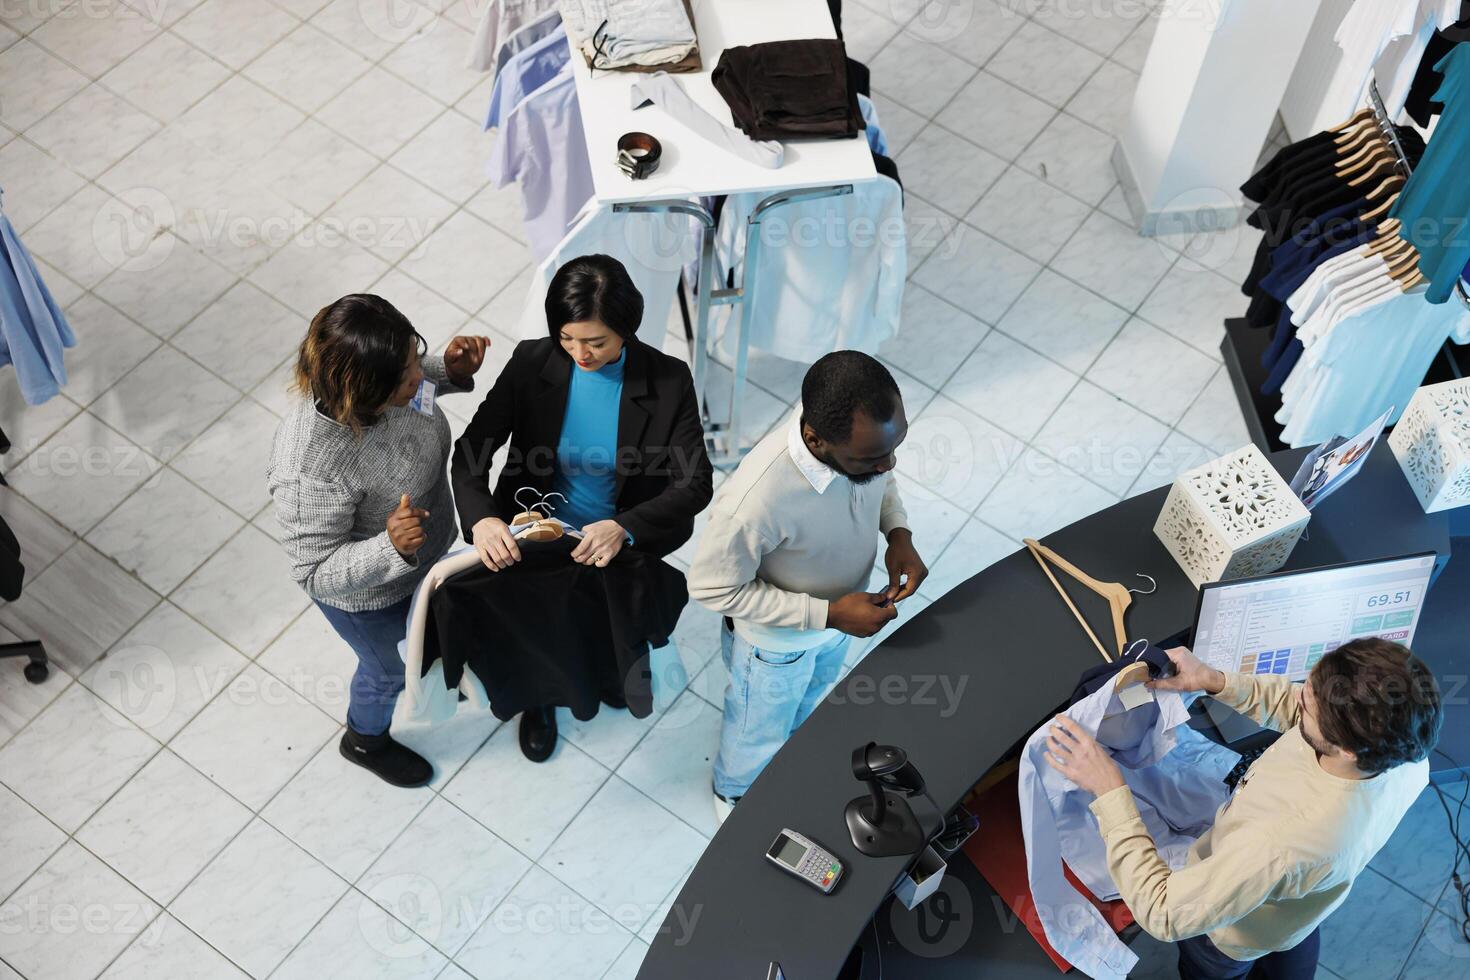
(816, 613)
(398, 564)
(434, 370)
(893, 520)
(1115, 808)
(1237, 690)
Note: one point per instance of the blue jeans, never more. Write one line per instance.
(769, 696)
(373, 635)
(1200, 960)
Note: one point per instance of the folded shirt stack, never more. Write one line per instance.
(633, 35)
(789, 90)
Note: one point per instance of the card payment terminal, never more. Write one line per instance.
(803, 858)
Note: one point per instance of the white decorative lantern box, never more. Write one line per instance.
(1231, 518)
(1432, 444)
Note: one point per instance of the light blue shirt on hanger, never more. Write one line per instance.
(33, 329)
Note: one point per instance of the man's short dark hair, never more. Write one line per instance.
(842, 384)
(1378, 701)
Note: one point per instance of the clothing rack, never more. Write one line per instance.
(1387, 128)
(1243, 345)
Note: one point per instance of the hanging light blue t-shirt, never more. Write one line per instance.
(587, 452)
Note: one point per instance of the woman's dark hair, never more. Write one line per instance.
(353, 357)
(594, 287)
(841, 384)
(1378, 701)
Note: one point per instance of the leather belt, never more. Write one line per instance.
(638, 154)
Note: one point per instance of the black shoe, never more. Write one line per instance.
(615, 701)
(391, 762)
(538, 733)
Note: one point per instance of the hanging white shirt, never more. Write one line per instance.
(498, 21)
(1382, 40)
(1177, 779)
(652, 247)
(830, 274)
(425, 699)
(541, 146)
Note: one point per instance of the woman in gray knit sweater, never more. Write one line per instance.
(357, 473)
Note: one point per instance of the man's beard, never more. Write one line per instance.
(1302, 727)
(859, 479)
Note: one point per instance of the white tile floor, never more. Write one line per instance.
(172, 801)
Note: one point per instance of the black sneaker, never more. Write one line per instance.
(538, 733)
(395, 764)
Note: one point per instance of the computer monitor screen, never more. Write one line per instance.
(1284, 623)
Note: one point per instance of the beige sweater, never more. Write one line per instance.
(777, 548)
(1284, 849)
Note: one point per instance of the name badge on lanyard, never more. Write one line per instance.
(423, 399)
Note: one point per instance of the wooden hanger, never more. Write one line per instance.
(1351, 140)
(1403, 263)
(1395, 183)
(1357, 119)
(1133, 675)
(1387, 240)
(1365, 155)
(1379, 167)
(1119, 598)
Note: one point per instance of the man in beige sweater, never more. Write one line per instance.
(788, 553)
(1303, 823)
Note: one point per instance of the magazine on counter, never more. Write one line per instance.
(1335, 462)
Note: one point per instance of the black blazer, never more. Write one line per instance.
(664, 476)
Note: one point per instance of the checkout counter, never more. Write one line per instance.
(1006, 643)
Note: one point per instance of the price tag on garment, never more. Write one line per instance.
(423, 399)
(1134, 696)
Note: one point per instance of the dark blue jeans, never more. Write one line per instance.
(1200, 960)
(373, 636)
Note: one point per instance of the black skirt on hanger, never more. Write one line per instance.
(548, 631)
(12, 572)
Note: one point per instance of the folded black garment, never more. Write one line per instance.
(548, 631)
(789, 90)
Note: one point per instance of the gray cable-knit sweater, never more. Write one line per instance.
(334, 491)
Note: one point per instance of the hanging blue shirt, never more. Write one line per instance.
(33, 329)
(586, 455)
(526, 71)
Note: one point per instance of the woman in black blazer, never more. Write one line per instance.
(595, 414)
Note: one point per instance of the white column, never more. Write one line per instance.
(1210, 90)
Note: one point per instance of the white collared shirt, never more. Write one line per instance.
(817, 473)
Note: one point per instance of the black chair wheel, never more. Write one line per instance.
(36, 673)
